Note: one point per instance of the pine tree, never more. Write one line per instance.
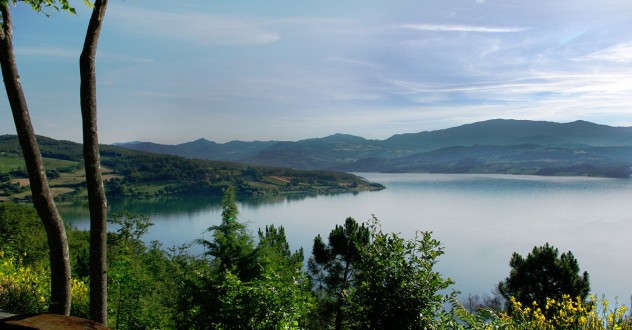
(331, 267)
(544, 273)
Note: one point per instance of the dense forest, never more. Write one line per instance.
(141, 174)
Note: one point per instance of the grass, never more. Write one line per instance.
(64, 184)
(9, 163)
(263, 184)
(152, 188)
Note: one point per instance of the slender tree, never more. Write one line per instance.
(42, 198)
(94, 181)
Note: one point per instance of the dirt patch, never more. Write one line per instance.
(49, 322)
(60, 191)
(22, 182)
(280, 178)
(108, 177)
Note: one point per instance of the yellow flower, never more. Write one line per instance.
(42, 299)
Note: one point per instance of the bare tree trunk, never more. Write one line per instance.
(42, 198)
(96, 193)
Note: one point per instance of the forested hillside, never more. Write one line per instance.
(134, 173)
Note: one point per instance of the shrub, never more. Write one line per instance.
(23, 289)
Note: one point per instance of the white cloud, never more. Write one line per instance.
(619, 53)
(352, 61)
(460, 28)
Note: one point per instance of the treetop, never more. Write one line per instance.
(39, 5)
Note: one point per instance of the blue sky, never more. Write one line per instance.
(175, 71)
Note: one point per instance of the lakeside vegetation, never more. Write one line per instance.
(143, 175)
(359, 277)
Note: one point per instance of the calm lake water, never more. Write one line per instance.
(479, 219)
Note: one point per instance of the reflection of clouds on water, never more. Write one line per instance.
(479, 219)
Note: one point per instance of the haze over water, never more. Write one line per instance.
(479, 219)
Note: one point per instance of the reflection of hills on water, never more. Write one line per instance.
(78, 210)
(147, 206)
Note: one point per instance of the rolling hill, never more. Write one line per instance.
(493, 146)
(143, 174)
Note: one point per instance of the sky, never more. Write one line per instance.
(176, 71)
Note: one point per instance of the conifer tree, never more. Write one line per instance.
(331, 267)
(544, 273)
(231, 247)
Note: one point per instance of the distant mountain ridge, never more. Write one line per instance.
(511, 146)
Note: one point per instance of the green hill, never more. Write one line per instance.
(142, 174)
(492, 146)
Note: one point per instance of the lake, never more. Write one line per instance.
(479, 219)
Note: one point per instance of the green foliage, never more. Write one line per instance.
(395, 284)
(273, 251)
(242, 286)
(543, 274)
(135, 296)
(39, 5)
(190, 295)
(231, 247)
(21, 231)
(23, 289)
(275, 300)
(153, 289)
(332, 268)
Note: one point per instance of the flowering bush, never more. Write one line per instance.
(23, 289)
(565, 313)
(80, 299)
(569, 313)
(26, 289)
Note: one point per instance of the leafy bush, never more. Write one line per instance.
(395, 286)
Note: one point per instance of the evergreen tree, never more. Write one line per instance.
(232, 248)
(331, 268)
(274, 250)
(544, 273)
(248, 288)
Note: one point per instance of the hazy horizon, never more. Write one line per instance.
(336, 133)
(280, 70)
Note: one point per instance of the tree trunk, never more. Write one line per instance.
(42, 198)
(96, 193)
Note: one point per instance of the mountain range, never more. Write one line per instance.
(492, 146)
